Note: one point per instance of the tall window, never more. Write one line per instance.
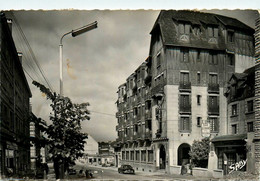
(198, 56)
(250, 127)
(184, 77)
(234, 129)
(213, 78)
(213, 101)
(159, 62)
(250, 106)
(213, 58)
(184, 55)
(132, 155)
(231, 59)
(143, 155)
(137, 155)
(213, 124)
(150, 155)
(184, 101)
(234, 110)
(185, 124)
(231, 36)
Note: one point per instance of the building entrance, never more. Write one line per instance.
(162, 157)
(183, 154)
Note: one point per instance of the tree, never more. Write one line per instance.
(199, 153)
(65, 139)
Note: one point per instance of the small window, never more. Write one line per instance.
(250, 127)
(234, 129)
(198, 121)
(198, 99)
(198, 56)
(198, 77)
(234, 110)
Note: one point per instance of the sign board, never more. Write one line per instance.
(205, 129)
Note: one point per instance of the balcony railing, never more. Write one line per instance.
(159, 88)
(213, 110)
(185, 109)
(148, 134)
(139, 98)
(185, 86)
(147, 96)
(148, 78)
(214, 88)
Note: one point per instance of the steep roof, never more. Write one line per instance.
(165, 24)
(8, 34)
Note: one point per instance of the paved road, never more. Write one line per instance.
(110, 173)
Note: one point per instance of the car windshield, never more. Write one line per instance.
(127, 166)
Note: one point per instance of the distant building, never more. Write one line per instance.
(90, 151)
(106, 153)
(15, 108)
(38, 149)
(177, 95)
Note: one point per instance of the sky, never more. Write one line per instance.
(95, 63)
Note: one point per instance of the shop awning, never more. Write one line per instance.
(233, 137)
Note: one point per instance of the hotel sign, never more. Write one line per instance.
(205, 129)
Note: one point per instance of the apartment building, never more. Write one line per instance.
(237, 146)
(177, 95)
(14, 102)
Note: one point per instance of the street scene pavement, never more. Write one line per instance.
(111, 173)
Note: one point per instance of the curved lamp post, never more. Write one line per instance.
(73, 33)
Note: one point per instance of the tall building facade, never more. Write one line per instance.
(177, 95)
(15, 107)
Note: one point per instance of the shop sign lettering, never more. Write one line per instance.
(237, 166)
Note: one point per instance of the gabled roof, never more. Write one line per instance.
(165, 24)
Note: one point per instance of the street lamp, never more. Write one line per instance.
(73, 33)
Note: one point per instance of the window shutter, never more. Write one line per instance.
(210, 32)
(215, 32)
(187, 29)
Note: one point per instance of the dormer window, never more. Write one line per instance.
(196, 30)
(212, 32)
(184, 28)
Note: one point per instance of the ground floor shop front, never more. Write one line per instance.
(227, 154)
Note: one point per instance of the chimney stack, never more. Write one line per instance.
(9, 22)
(20, 55)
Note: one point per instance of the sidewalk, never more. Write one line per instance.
(166, 176)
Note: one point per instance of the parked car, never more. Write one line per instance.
(126, 169)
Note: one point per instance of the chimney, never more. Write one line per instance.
(9, 22)
(20, 55)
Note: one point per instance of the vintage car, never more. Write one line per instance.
(126, 169)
